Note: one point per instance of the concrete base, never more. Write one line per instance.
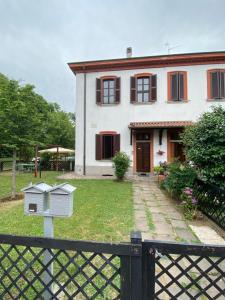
(98, 170)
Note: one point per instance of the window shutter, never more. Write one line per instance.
(215, 85)
(117, 83)
(174, 86)
(98, 91)
(181, 86)
(132, 89)
(153, 87)
(98, 147)
(116, 144)
(222, 84)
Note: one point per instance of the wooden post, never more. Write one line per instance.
(14, 174)
(36, 162)
(57, 159)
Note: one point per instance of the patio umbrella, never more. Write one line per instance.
(55, 150)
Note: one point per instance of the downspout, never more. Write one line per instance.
(84, 138)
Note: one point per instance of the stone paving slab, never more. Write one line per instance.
(207, 235)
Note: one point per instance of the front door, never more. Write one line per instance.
(143, 156)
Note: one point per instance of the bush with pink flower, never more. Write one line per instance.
(189, 203)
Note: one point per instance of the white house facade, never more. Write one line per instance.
(140, 106)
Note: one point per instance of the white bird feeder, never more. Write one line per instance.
(61, 200)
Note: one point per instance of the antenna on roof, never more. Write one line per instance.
(169, 48)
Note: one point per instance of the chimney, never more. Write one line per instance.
(129, 52)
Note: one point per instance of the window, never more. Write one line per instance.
(216, 84)
(177, 86)
(108, 90)
(143, 88)
(107, 144)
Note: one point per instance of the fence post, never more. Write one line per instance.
(136, 266)
(148, 272)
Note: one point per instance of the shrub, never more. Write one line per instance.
(189, 203)
(121, 163)
(179, 176)
(204, 146)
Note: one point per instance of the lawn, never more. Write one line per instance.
(102, 210)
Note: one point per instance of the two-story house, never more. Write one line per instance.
(140, 105)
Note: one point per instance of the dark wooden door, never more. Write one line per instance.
(143, 156)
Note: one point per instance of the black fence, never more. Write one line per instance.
(89, 270)
(211, 201)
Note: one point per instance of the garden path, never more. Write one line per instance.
(158, 217)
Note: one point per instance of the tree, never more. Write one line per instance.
(205, 145)
(27, 120)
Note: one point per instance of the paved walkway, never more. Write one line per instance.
(156, 215)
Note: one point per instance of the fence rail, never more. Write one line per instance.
(211, 201)
(91, 270)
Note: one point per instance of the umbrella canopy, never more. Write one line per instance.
(54, 150)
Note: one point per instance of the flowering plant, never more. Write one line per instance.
(189, 203)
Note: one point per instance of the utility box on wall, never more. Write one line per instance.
(36, 200)
(61, 200)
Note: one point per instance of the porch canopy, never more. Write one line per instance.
(59, 150)
(159, 124)
(156, 125)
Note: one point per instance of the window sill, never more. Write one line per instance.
(105, 160)
(106, 105)
(143, 103)
(216, 100)
(177, 102)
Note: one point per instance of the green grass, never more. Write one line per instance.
(151, 224)
(102, 210)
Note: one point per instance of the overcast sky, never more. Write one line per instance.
(39, 37)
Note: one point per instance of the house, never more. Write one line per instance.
(140, 105)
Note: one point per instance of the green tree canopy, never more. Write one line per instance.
(205, 145)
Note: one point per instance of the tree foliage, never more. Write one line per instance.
(27, 119)
(205, 145)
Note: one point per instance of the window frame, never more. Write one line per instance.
(209, 85)
(100, 91)
(169, 87)
(100, 151)
(149, 91)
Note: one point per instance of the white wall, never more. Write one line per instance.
(118, 117)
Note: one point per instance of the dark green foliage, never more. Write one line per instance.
(179, 176)
(27, 119)
(205, 146)
(121, 163)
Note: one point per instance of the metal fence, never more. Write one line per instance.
(211, 201)
(90, 270)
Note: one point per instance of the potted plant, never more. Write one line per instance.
(159, 170)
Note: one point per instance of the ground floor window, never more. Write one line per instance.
(175, 146)
(107, 144)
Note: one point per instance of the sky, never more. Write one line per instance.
(39, 37)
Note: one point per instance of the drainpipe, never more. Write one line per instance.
(84, 138)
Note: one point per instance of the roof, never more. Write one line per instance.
(160, 124)
(64, 187)
(40, 187)
(148, 62)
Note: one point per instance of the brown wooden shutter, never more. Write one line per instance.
(98, 146)
(116, 143)
(117, 83)
(174, 86)
(153, 87)
(181, 86)
(132, 89)
(222, 84)
(215, 85)
(98, 91)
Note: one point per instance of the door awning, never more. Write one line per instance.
(160, 124)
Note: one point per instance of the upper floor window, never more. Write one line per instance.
(177, 86)
(143, 88)
(108, 90)
(216, 84)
